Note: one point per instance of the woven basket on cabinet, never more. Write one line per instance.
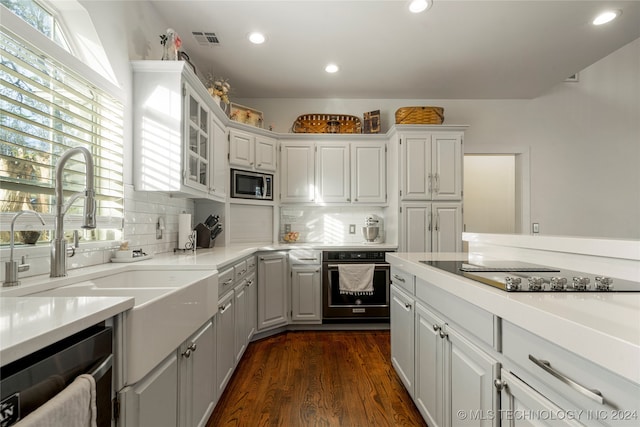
(420, 116)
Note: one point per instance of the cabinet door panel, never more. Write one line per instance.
(416, 167)
(472, 373)
(240, 316)
(306, 295)
(368, 172)
(272, 291)
(416, 226)
(200, 387)
(447, 227)
(402, 337)
(241, 149)
(265, 153)
(225, 350)
(447, 167)
(153, 401)
(429, 364)
(333, 173)
(297, 173)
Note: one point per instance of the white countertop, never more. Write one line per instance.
(601, 327)
(28, 324)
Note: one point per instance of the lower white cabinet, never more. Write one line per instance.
(402, 336)
(522, 406)
(240, 319)
(197, 370)
(179, 391)
(273, 290)
(450, 379)
(306, 294)
(252, 304)
(152, 401)
(431, 227)
(225, 335)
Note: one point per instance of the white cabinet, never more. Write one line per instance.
(431, 227)
(251, 304)
(368, 172)
(444, 371)
(220, 165)
(172, 135)
(251, 151)
(431, 165)
(402, 336)
(348, 172)
(273, 290)
(152, 401)
(197, 370)
(297, 170)
(240, 314)
(306, 294)
(332, 173)
(225, 336)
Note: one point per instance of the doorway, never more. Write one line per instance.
(496, 187)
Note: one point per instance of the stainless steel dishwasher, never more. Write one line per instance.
(28, 383)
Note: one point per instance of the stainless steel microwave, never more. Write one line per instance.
(251, 185)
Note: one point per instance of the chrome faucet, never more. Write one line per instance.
(11, 267)
(59, 244)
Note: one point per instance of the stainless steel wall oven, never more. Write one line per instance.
(338, 306)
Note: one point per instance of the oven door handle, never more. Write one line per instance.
(102, 368)
(381, 266)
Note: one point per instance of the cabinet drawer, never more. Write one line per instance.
(478, 322)
(578, 380)
(225, 281)
(403, 280)
(240, 269)
(251, 264)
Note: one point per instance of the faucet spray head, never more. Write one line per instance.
(89, 210)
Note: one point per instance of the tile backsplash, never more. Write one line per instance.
(142, 211)
(328, 224)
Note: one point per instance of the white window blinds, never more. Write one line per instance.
(47, 109)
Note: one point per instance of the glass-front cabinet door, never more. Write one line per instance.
(198, 154)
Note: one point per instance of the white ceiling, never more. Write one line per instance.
(455, 50)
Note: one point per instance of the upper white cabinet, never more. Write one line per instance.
(251, 151)
(349, 172)
(172, 130)
(297, 171)
(332, 172)
(369, 172)
(431, 165)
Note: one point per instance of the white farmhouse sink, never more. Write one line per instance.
(170, 304)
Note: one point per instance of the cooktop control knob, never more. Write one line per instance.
(512, 283)
(604, 283)
(558, 283)
(581, 283)
(536, 283)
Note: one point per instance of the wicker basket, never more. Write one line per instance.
(327, 123)
(420, 116)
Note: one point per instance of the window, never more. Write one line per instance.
(36, 15)
(48, 108)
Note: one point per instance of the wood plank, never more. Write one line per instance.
(317, 378)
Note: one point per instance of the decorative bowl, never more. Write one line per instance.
(291, 237)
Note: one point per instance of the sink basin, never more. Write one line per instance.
(170, 304)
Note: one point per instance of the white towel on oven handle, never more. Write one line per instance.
(75, 406)
(356, 279)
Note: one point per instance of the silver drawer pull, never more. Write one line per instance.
(307, 259)
(398, 278)
(590, 393)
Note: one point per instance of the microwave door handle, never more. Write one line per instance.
(264, 187)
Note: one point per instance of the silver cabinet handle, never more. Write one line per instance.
(437, 186)
(187, 353)
(430, 178)
(307, 259)
(398, 278)
(590, 393)
(436, 327)
(437, 222)
(430, 216)
(407, 306)
(224, 308)
(443, 334)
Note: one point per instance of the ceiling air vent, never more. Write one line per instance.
(206, 38)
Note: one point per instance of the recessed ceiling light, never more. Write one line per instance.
(331, 68)
(417, 6)
(607, 16)
(256, 38)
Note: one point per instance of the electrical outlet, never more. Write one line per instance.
(535, 227)
(287, 228)
(352, 229)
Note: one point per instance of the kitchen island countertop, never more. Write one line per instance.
(593, 325)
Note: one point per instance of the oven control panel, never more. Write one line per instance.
(354, 256)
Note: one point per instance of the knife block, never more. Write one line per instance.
(203, 236)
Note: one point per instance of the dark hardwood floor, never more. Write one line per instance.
(317, 378)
